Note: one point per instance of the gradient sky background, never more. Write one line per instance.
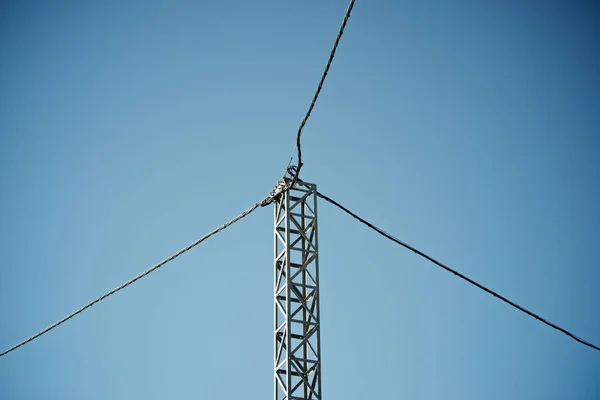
(468, 129)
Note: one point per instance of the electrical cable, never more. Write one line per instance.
(316, 95)
(472, 282)
(269, 199)
(132, 280)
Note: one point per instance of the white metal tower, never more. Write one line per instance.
(297, 315)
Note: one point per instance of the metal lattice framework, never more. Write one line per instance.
(297, 315)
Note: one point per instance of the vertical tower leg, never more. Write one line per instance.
(297, 314)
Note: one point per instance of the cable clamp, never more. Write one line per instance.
(281, 187)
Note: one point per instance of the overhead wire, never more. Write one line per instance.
(281, 188)
(269, 199)
(317, 92)
(134, 279)
(458, 274)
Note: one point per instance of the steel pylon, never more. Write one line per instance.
(297, 314)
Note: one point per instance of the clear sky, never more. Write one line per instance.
(469, 129)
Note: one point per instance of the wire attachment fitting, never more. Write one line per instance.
(275, 193)
(287, 181)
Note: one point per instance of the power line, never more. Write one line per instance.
(276, 192)
(316, 95)
(132, 280)
(472, 282)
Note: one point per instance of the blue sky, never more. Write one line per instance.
(129, 129)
